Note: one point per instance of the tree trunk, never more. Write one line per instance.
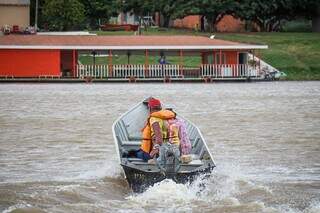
(210, 23)
(261, 24)
(139, 28)
(166, 20)
(316, 24)
(316, 21)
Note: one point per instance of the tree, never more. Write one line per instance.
(137, 7)
(63, 15)
(97, 11)
(214, 10)
(316, 20)
(266, 14)
(309, 9)
(269, 14)
(170, 9)
(32, 12)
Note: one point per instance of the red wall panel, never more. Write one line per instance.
(66, 59)
(231, 56)
(29, 63)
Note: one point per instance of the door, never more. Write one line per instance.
(243, 58)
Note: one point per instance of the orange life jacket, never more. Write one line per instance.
(146, 144)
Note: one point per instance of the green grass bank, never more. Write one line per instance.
(296, 54)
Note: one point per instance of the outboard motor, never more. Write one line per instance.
(168, 160)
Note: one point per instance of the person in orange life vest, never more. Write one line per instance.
(155, 130)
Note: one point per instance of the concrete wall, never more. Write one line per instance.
(29, 63)
(14, 15)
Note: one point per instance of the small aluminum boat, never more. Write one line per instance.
(140, 174)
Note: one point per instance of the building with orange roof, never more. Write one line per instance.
(53, 55)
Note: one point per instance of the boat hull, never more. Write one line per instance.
(140, 180)
(139, 174)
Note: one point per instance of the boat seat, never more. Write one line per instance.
(182, 164)
(131, 143)
(138, 142)
(135, 137)
(135, 159)
(138, 161)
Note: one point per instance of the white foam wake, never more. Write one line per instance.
(110, 169)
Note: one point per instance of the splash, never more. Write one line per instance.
(20, 206)
(165, 194)
(222, 191)
(110, 170)
(313, 208)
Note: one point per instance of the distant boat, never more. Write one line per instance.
(140, 174)
(119, 27)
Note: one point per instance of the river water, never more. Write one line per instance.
(57, 152)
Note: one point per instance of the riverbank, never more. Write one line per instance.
(296, 54)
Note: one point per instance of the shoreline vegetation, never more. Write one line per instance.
(296, 54)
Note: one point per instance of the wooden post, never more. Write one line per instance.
(253, 57)
(220, 60)
(146, 63)
(213, 66)
(74, 68)
(259, 56)
(181, 63)
(202, 57)
(236, 71)
(213, 59)
(110, 63)
(254, 61)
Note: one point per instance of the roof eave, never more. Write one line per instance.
(95, 47)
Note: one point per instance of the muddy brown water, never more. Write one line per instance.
(57, 152)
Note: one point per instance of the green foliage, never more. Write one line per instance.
(214, 10)
(171, 9)
(266, 14)
(138, 7)
(297, 26)
(306, 8)
(296, 54)
(269, 14)
(33, 9)
(63, 15)
(99, 11)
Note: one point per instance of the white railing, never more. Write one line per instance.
(142, 71)
(128, 70)
(164, 70)
(228, 70)
(95, 71)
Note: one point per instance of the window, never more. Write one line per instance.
(210, 59)
(224, 59)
